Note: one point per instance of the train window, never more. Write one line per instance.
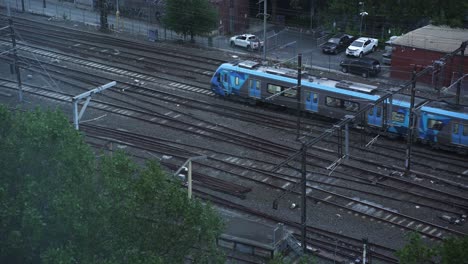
(273, 88)
(308, 96)
(333, 102)
(290, 93)
(218, 77)
(351, 106)
(236, 80)
(434, 124)
(258, 85)
(315, 98)
(465, 130)
(339, 103)
(455, 128)
(398, 117)
(225, 77)
(379, 111)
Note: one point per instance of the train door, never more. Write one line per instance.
(311, 101)
(254, 88)
(374, 116)
(225, 82)
(460, 134)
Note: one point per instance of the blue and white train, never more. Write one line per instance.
(439, 124)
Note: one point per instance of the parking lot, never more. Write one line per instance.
(284, 45)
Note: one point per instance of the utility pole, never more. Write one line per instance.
(86, 95)
(462, 58)
(364, 250)
(22, 6)
(43, 4)
(189, 173)
(103, 12)
(311, 14)
(304, 196)
(264, 27)
(409, 141)
(298, 95)
(117, 15)
(15, 63)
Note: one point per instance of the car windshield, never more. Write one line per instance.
(334, 40)
(357, 44)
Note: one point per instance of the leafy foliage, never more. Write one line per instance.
(280, 259)
(190, 17)
(56, 207)
(451, 250)
(415, 252)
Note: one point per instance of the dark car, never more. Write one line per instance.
(364, 66)
(337, 43)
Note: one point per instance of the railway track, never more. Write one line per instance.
(341, 201)
(348, 189)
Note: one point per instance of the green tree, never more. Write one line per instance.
(57, 205)
(415, 251)
(190, 17)
(454, 250)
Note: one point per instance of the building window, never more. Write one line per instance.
(236, 81)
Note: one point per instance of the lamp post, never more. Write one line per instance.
(362, 14)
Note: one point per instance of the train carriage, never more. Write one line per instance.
(443, 126)
(437, 124)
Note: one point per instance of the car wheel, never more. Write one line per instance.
(360, 55)
(374, 49)
(365, 74)
(344, 69)
(249, 47)
(232, 44)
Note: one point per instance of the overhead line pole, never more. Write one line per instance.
(15, 63)
(462, 53)
(264, 28)
(409, 140)
(298, 95)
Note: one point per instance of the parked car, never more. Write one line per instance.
(364, 66)
(248, 41)
(337, 43)
(362, 46)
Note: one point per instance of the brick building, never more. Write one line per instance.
(423, 46)
(233, 16)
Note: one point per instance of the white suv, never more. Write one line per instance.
(248, 41)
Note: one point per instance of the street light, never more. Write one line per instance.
(362, 14)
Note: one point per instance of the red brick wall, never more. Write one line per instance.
(404, 58)
(232, 19)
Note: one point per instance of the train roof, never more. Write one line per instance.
(447, 109)
(290, 75)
